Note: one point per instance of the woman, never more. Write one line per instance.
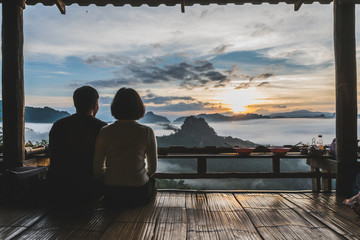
(120, 152)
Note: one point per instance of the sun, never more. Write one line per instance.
(238, 100)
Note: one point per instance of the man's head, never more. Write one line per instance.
(86, 100)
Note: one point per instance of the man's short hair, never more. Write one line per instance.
(85, 98)
(127, 105)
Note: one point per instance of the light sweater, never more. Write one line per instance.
(120, 152)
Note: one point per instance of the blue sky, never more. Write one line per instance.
(262, 59)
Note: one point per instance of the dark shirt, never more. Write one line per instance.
(72, 143)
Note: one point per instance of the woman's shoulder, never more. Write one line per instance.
(145, 127)
(107, 127)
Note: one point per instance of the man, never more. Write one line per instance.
(71, 143)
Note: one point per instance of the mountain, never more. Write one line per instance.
(196, 132)
(150, 117)
(43, 115)
(40, 115)
(303, 114)
(217, 117)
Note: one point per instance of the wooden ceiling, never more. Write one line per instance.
(155, 3)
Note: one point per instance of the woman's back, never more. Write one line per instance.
(125, 143)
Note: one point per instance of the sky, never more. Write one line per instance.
(211, 59)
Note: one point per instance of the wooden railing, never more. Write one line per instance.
(323, 168)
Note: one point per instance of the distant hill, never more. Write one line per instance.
(196, 132)
(217, 117)
(303, 114)
(41, 115)
(150, 117)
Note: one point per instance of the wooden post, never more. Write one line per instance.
(346, 99)
(201, 165)
(326, 182)
(13, 82)
(315, 182)
(275, 164)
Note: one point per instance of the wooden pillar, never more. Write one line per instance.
(13, 82)
(346, 99)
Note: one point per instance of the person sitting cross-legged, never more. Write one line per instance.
(120, 152)
(70, 178)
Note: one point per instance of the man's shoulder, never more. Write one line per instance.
(99, 122)
(63, 120)
(76, 119)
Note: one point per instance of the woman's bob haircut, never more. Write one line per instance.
(127, 105)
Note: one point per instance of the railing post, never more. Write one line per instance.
(326, 182)
(316, 187)
(201, 165)
(276, 164)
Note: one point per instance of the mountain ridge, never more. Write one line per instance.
(217, 117)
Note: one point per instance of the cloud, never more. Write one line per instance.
(243, 86)
(155, 99)
(252, 81)
(189, 75)
(106, 60)
(279, 106)
(108, 83)
(221, 49)
(265, 75)
(215, 76)
(260, 29)
(182, 107)
(263, 84)
(175, 104)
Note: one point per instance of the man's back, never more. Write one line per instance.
(71, 142)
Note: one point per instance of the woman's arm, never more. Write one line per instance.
(99, 156)
(151, 154)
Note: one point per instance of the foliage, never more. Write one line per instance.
(36, 143)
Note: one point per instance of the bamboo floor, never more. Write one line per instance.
(193, 215)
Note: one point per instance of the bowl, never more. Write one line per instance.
(243, 151)
(279, 150)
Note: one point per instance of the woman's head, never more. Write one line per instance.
(127, 105)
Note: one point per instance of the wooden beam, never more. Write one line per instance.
(12, 83)
(298, 5)
(346, 99)
(61, 6)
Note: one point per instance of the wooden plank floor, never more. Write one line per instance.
(193, 215)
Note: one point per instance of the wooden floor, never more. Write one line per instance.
(193, 215)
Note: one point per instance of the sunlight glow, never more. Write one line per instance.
(239, 100)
